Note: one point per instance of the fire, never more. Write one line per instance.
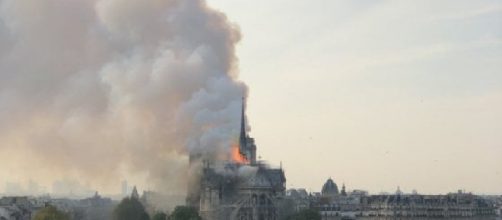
(236, 155)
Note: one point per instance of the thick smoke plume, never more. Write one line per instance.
(102, 90)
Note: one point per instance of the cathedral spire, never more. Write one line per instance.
(242, 138)
(247, 148)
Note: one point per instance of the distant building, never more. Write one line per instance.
(93, 208)
(15, 208)
(134, 193)
(398, 191)
(24, 208)
(329, 189)
(299, 198)
(359, 203)
(343, 192)
(427, 206)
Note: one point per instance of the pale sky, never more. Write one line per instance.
(375, 94)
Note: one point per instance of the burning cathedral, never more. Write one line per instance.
(240, 188)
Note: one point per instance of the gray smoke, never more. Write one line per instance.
(102, 90)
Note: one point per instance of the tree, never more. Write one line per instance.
(130, 209)
(160, 216)
(185, 213)
(50, 213)
(306, 214)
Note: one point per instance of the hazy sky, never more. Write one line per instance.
(376, 94)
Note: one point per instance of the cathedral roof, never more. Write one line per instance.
(265, 178)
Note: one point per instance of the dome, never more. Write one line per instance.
(329, 188)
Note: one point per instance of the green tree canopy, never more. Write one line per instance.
(50, 213)
(159, 216)
(185, 213)
(306, 214)
(130, 209)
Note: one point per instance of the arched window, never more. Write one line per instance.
(263, 199)
(255, 199)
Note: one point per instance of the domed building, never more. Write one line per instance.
(329, 188)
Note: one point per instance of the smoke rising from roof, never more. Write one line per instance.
(100, 89)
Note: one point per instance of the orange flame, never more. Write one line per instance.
(236, 155)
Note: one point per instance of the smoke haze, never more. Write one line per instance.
(103, 90)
